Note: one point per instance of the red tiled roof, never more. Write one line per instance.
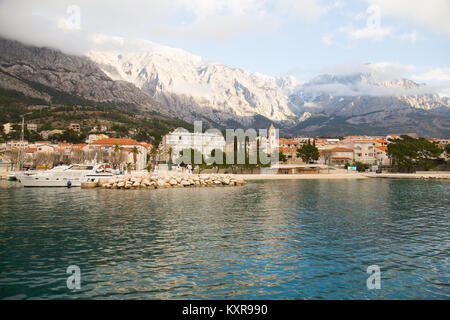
(340, 149)
(113, 141)
(287, 150)
(78, 147)
(31, 150)
(288, 141)
(146, 145)
(382, 148)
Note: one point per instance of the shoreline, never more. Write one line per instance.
(321, 176)
(315, 176)
(343, 176)
(424, 176)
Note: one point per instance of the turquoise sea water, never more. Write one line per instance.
(268, 240)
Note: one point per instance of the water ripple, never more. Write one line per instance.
(268, 240)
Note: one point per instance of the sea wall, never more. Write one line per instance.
(175, 180)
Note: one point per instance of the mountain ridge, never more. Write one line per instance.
(177, 84)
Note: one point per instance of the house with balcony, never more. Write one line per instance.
(364, 151)
(382, 157)
(289, 148)
(338, 156)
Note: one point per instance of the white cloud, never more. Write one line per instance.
(381, 71)
(359, 16)
(390, 70)
(48, 22)
(370, 33)
(101, 39)
(327, 40)
(437, 80)
(309, 9)
(434, 75)
(433, 14)
(409, 36)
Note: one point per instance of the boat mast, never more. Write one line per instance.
(21, 143)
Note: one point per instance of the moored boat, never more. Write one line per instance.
(65, 176)
(11, 177)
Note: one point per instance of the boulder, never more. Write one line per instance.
(185, 183)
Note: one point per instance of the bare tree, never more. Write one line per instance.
(77, 156)
(12, 155)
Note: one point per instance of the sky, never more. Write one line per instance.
(300, 38)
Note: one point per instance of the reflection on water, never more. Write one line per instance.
(268, 240)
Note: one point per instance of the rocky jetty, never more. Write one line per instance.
(175, 180)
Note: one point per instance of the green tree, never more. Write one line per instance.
(409, 153)
(283, 157)
(308, 153)
(169, 162)
(360, 167)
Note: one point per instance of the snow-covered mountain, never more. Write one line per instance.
(368, 103)
(176, 84)
(192, 84)
(358, 93)
(194, 88)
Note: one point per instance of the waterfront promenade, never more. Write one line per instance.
(349, 176)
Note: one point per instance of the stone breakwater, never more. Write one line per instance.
(129, 182)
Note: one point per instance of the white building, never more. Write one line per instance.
(32, 127)
(364, 151)
(180, 139)
(127, 146)
(94, 137)
(382, 157)
(7, 127)
(17, 144)
(270, 143)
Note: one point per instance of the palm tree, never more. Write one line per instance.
(135, 151)
(129, 167)
(153, 153)
(170, 158)
(117, 150)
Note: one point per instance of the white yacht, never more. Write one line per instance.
(65, 176)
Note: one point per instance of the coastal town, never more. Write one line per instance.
(224, 155)
(340, 154)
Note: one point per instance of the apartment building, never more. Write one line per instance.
(180, 139)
